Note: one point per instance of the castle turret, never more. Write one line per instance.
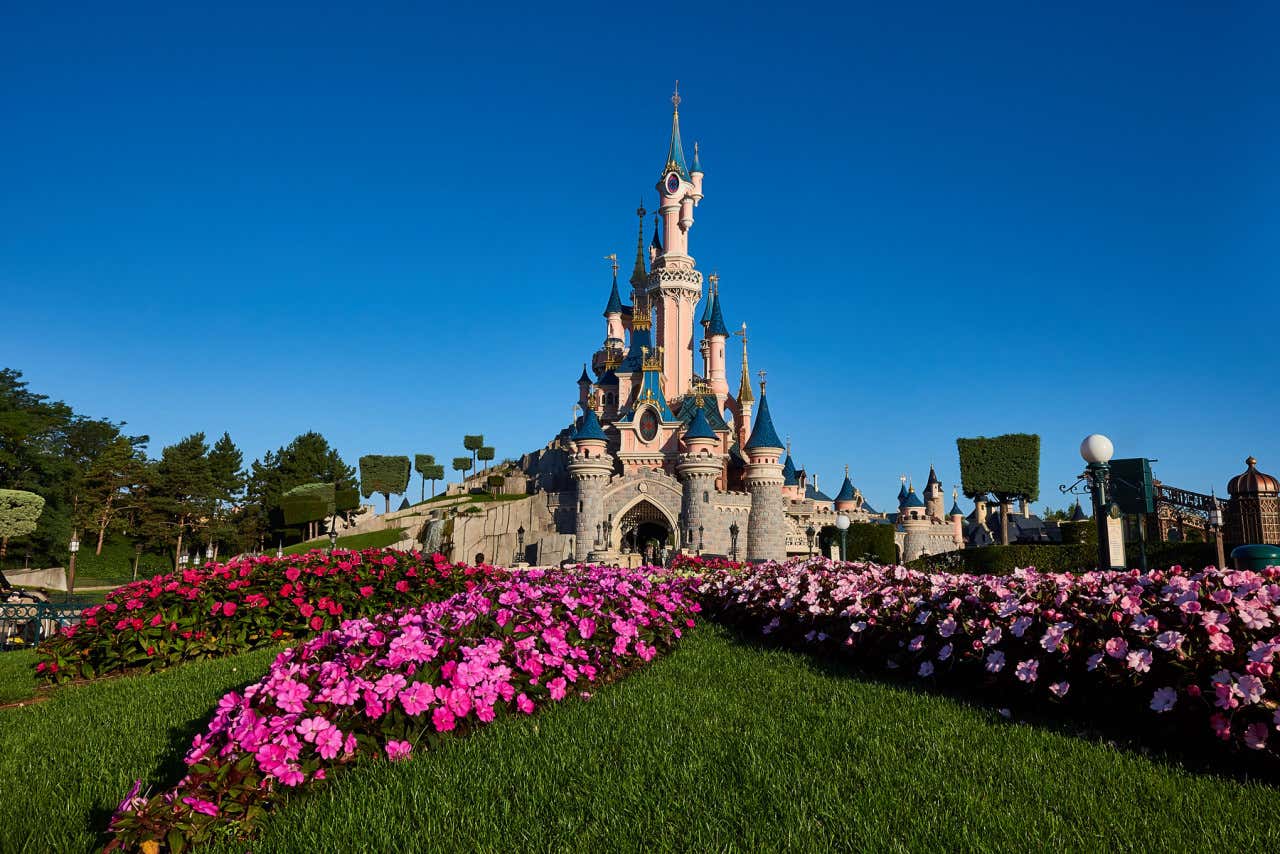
(695, 174)
(847, 498)
(933, 497)
(746, 399)
(957, 520)
(591, 466)
(766, 538)
(790, 478)
(613, 331)
(584, 388)
(698, 467)
(715, 337)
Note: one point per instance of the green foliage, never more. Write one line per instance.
(19, 513)
(473, 443)
(495, 481)
(1084, 531)
(1006, 466)
(863, 541)
(434, 472)
(346, 499)
(421, 462)
(311, 502)
(1078, 557)
(355, 542)
(383, 474)
(461, 463)
(114, 565)
(485, 454)
(307, 459)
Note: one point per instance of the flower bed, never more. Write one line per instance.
(696, 564)
(224, 608)
(401, 682)
(1189, 648)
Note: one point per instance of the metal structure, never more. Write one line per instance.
(25, 624)
(1178, 511)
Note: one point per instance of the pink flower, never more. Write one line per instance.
(1255, 736)
(586, 627)
(1168, 641)
(557, 688)
(443, 719)
(397, 750)
(1028, 670)
(209, 808)
(1059, 689)
(1117, 647)
(995, 662)
(1251, 689)
(524, 704)
(1163, 699)
(1221, 642)
(1140, 660)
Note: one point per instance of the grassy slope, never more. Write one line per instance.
(17, 675)
(371, 540)
(716, 746)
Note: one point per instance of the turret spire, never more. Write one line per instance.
(697, 164)
(744, 385)
(638, 274)
(675, 152)
(764, 435)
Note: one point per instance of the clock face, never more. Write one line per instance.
(649, 425)
(673, 183)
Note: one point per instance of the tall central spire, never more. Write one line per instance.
(675, 152)
(638, 274)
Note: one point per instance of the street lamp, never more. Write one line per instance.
(842, 522)
(137, 556)
(519, 555)
(73, 547)
(733, 540)
(279, 549)
(1215, 522)
(208, 552)
(699, 541)
(1096, 450)
(809, 532)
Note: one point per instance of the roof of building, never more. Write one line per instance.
(902, 493)
(913, 500)
(589, 427)
(867, 508)
(585, 378)
(955, 508)
(811, 492)
(846, 490)
(764, 436)
(933, 478)
(608, 378)
(675, 151)
(699, 427)
(1252, 482)
(656, 243)
(715, 326)
(615, 301)
(697, 162)
(706, 309)
(651, 392)
(1077, 515)
(789, 472)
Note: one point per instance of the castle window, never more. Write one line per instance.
(706, 497)
(580, 507)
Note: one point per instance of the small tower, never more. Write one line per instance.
(763, 478)
(1253, 510)
(746, 399)
(614, 334)
(715, 337)
(933, 497)
(790, 480)
(847, 498)
(957, 520)
(591, 466)
(584, 387)
(698, 467)
(915, 523)
(902, 495)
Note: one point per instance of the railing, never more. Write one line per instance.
(25, 624)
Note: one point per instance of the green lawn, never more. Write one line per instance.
(371, 540)
(17, 675)
(718, 746)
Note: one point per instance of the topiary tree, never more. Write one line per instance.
(433, 473)
(485, 455)
(473, 444)
(386, 475)
(462, 464)
(19, 512)
(495, 482)
(1006, 466)
(421, 463)
(307, 505)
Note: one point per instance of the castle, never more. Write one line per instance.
(664, 455)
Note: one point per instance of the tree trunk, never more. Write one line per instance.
(177, 555)
(4, 548)
(386, 496)
(422, 493)
(433, 487)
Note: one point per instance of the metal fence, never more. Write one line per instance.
(25, 624)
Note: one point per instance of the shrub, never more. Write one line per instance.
(405, 681)
(220, 609)
(863, 541)
(310, 502)
(1187, 648)
(1007, 466)
(19, 513)
(1075, 557)
(385, 475)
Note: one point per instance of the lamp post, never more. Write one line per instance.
(333, 535)
(137, 556)
(208, 552)
(842, 522)
(279, 549)
(733, 540)
(699, 541)
(809, 532)
(519, 555)
(1215, 522)
(73, 547)
(1097, 450)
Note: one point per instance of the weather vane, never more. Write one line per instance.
(612, 257)
(761, 374)
(675, 96)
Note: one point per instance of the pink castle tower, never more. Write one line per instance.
(674, 286)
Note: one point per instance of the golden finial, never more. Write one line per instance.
(675, 97)
(761, 374)
(640, 211)
(714, 279)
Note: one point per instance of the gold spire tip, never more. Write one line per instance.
(675, 97)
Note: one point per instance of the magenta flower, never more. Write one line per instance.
(397, 750)
(443, 719)
(209, 808)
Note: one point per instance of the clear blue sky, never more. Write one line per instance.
(388, 225)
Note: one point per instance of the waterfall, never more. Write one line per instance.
(431, 536)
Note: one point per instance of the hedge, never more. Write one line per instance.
(19, 512)
(311, 502)
(863, 540)
(1007, 466)
(1000, 560)
(383, 474)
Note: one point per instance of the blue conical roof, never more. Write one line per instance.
(902, 493)
(789, 472)
(955, 508)
(615, 301)
(699, 427)
(715, 326)
(585, 378)
(846, 490)
(675, 152)
(697, 163)
(913, 500)
(589, 427)
(656, 243)
(706, 311)
(763, 436)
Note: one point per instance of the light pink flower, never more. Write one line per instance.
(1163, 699)
(1028, 670)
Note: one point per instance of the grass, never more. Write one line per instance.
(370, 540)
(17, 675)
(717, 746)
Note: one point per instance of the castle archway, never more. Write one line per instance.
(646, 525)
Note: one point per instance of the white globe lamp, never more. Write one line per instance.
(1096, 448)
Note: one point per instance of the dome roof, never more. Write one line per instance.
(1252, 482)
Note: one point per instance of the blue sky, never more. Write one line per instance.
(387, 225)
